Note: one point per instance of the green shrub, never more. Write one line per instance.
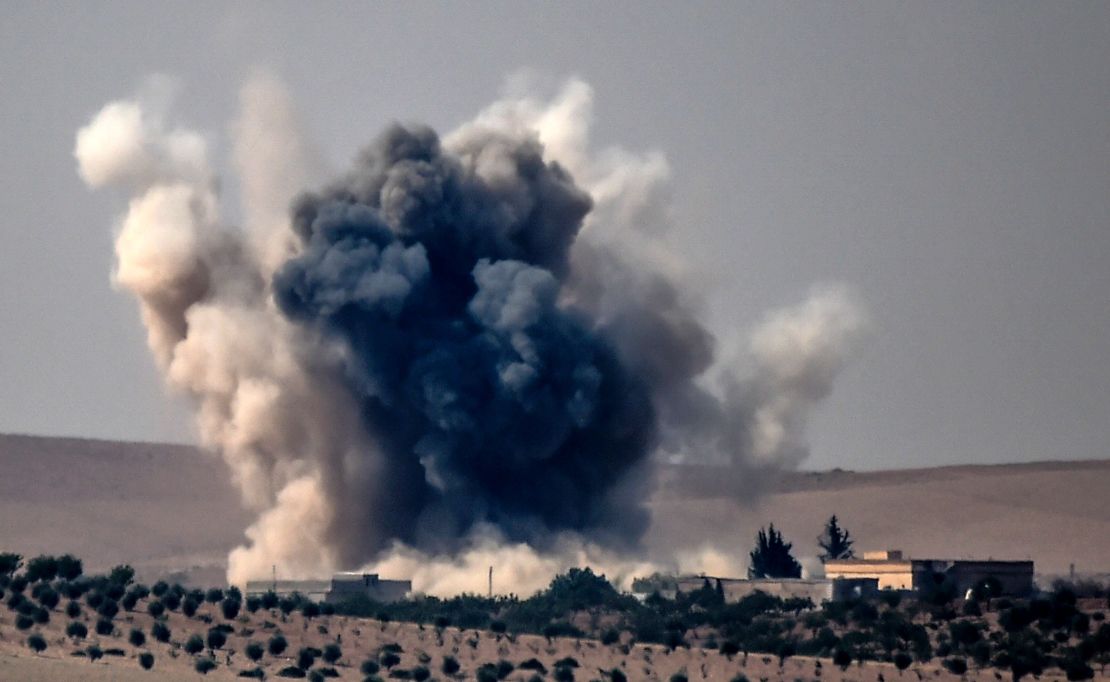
(450, 666)
(189, 606)
(204, 665)
(254, 651)
(902, 660)
(36, 643)
(136, 637)
(370, 667)
(305, 658)
(230, 608)
(160, 632)
(277, 645)
(291, 671)
(171, 600)
(956, 666)
(77, 630)
(94, 653)
(194, 645)
(332, 653)
(216, 638)
(146, 660)
(104, 627)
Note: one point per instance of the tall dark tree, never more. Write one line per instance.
(771, 557)
(835, 541)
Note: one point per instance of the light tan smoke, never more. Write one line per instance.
(267, 394)
(271, 398)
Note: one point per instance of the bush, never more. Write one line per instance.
(159, 588)
(277, 645)
(77, 630)
(160, 632)
(332, 653)
(194, 645)
(204, 665)
(216, 638)
(49, 598)
(253, 604)
(155, 608)
(136, 638)
(42, 568)
(256, 673)
(108, 608)
(487, 672)
(121, 575)
(36, 643)
(18, 584)
(129, 601)
(310, 609)
(214, 595)
(842, 659)
(564, 674)
(104, 627)
(146, 660)
(41, 616)
(254, 651)
(269, 600)
(534, 664)
(420, 673)
(171, 601)
(94, 653)
(291, 671)
(902, 660)
(956, 666)
(371, 667)
(389, 659)
(73, 609)
(189, 607)
(306, 657)
(230, 608)
(450, 666)
(94, 599)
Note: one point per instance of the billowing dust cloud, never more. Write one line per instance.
(466, 350)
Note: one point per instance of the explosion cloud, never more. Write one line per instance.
(466, 347)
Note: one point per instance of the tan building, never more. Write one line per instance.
(896, 572)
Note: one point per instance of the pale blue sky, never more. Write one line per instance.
(951, 161)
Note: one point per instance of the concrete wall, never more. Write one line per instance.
(892, 575)
(1016, 577)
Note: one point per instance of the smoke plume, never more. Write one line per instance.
(467, 348)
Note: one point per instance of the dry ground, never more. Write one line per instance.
(362, 638)
(169, 508)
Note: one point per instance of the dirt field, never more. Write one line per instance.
(361, 639)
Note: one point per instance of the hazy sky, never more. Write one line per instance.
(950, 161)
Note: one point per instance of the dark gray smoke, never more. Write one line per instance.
(457, 355)
(491, 402)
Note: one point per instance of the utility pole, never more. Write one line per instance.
(491, 582)
(274, 568)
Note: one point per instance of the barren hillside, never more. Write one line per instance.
(167, 508)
